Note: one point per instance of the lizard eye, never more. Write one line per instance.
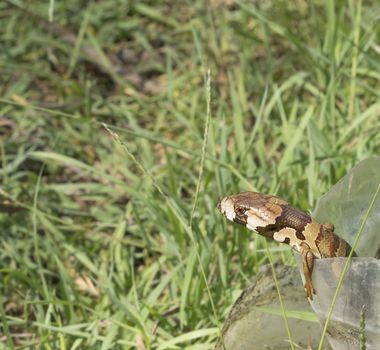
(240, 211)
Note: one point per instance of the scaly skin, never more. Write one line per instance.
(274, 218)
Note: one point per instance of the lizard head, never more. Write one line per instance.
(233, 210)
(251, 209)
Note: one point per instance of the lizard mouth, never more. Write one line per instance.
(226, 207)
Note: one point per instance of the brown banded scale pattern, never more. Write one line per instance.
(274, 218)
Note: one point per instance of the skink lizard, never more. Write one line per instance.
(274, 218)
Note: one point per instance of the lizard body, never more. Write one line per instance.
(274, 218)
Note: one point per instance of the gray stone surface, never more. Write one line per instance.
(249, 328)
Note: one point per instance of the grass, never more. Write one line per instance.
(107, 249)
